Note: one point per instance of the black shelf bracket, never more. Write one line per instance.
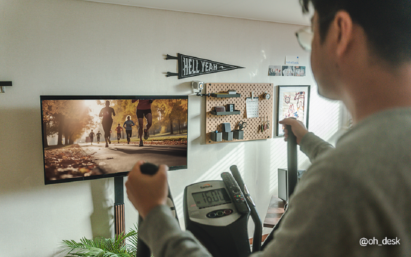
(200, 94)
(4, 84)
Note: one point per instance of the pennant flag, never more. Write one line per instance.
(190, 66)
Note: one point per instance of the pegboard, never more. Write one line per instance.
(251, 132)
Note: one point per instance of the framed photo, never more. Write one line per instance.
(293, 101)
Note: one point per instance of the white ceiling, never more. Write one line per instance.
(283, 11)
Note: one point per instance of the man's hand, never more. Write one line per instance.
(297, 127)
(145, 191)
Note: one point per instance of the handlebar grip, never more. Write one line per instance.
(237, 176)
(148, 168)
(258, 228)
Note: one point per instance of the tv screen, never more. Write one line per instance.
(90, 137)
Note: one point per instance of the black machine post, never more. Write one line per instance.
(142, 248)
(292, 163)
(258, 226)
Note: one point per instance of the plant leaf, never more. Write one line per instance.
(123, 245)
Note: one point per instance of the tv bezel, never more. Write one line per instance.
(102, 97)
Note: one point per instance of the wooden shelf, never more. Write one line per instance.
(226, 113)
(225, 95)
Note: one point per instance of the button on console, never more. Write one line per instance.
(211, 215)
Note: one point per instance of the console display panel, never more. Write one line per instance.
(90, 137)
(211, 198)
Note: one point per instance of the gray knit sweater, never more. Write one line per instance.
(358, 191)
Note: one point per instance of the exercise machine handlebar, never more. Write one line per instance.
(151, 169)
(258, 227)
(142, 249)
(292, 161)
(292, 166)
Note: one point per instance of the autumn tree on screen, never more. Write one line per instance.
(77, 120)
(173, 112)
(69, 119)
(180, 110)
(166, 108)
(49, 109)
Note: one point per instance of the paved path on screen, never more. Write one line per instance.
(122, 157)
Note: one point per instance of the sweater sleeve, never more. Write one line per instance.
(313, 146)
(162, 233)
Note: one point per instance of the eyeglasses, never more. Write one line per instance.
(305, 38)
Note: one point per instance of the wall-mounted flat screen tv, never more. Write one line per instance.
(90, 137)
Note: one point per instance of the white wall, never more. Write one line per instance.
(68, 47)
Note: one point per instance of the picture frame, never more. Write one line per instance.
(292, 101)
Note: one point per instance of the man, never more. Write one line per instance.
(128, 124)
(98, 137)
(91, 135)
(119, 129)
(359, 190)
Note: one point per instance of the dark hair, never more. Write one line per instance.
(387, 23)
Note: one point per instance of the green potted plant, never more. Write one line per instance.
(123, 245)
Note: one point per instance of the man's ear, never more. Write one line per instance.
(343, 26)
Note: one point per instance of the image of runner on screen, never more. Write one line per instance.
(91, 135)
(128, 124)
(107, 113)
(98, 137)
(119, 129)
(144, 111)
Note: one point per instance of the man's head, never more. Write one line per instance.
(353, 35)
(119, 124)
(107, 103)
(128, 117)
(91, 130)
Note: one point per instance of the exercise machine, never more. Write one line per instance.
(217, 211)
(217, 214)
